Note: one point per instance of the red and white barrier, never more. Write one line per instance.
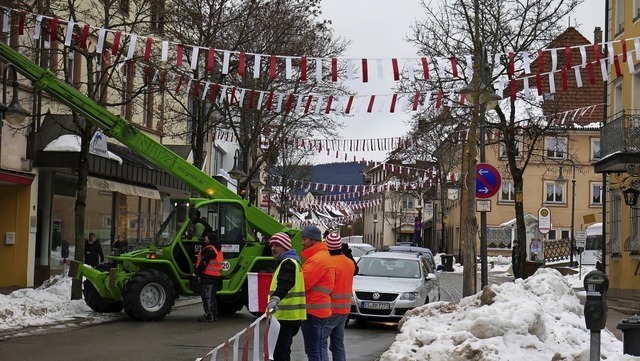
(270, 338)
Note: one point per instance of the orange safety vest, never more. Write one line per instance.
(341, 294)
(214, 267)
(319, 278)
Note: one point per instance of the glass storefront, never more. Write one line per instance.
(107, 215)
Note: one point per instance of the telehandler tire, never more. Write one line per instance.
(97, 303)
(149, 295)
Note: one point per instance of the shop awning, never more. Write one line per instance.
(128, 189)
(16, 177)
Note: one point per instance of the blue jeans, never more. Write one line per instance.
(334, 329)
(312, 334)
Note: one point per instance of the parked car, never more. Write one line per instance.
(360, 249)
(388, 284)
(413, 249)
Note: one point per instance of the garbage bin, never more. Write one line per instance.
(447, 262)
(630, 328)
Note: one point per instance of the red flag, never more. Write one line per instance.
(592, 78)
(272, 67)
(393, 103)
(616, 64)
(116, 43)
(623, 42)
(567, 53)
(85, 35)
(196, 88)
(396, 72)
(53, 30)
(371, 100)
(214, 92)
(233, 95)
(454, 66)
(439, 99)
(328, 107)
(147, 49)
(334, 69)
(596, 51)
(514, 89)
(365, 71)
(211, 60)
(306, 107)
(241, 61)
(303, 68)
(539, 83)
(416, 100)
(23, 15)
(289, 102)
(179, 55)
(425, 68)
(349, 103)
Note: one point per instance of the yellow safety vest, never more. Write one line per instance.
(293, 306)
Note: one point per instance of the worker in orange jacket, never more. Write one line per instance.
(340, 300)
(319, 278)
(207, 272)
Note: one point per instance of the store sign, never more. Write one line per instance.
(544, 220)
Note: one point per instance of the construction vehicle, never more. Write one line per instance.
(146, 282)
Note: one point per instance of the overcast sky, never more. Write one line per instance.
(377, 29)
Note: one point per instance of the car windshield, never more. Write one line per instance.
(387, 267)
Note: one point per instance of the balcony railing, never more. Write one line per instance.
(622, 134)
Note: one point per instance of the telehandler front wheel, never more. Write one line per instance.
(149, 295)
(96, 303)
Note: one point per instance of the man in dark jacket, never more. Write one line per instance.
(286, 294)
(93, 255)
(121, 245)
(208, 271)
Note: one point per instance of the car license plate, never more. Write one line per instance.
(375, 305)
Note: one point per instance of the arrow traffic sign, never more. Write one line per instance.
(487, 180)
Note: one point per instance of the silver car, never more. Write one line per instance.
(388, 284)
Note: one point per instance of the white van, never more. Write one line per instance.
(592, 251)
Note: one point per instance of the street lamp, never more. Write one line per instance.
(487, 100)
(417, 228)
(236, 172)
(375, 238)
(13, 113)
(561, 179)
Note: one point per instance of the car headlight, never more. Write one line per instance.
(410, 296)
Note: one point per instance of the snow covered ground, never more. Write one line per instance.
(539, 318)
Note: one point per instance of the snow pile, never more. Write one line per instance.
(45, 305)
(539, 318)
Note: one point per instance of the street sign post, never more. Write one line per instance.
(544, 220)
(487, 180)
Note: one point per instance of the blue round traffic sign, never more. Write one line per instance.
(487, 180)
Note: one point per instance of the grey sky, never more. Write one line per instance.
(377, 29)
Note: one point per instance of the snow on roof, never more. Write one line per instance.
(71, 143)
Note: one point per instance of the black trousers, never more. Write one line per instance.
(288, 329)
(210, 286)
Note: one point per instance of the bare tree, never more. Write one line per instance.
(256, 27)
(478, 27)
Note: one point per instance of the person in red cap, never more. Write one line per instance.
(286, 294)
(340, 300)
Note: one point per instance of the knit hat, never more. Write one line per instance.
(334, 241)
(281, 239)
(312, 232)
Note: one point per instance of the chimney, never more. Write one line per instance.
(597, 35)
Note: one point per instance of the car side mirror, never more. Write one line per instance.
(431, 276)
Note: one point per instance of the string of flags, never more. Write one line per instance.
(45, 26)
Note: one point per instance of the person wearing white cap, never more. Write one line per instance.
(286, 295)
(340, 300)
